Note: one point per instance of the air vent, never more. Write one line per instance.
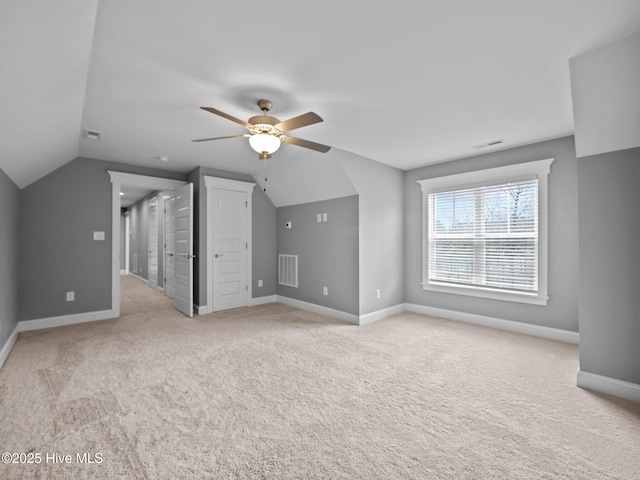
(488, 144)
(288, 270)
(91, 135)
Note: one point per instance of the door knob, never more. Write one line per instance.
(219, 255)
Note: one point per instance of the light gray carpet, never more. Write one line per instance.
(273, 392)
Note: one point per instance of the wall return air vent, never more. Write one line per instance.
(288, 270)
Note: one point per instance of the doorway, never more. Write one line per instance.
(180, 189)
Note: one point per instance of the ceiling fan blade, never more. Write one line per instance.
(303, 120)
(227, 116)
(318, 147)
(220, 138)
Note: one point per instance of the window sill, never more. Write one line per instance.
(533, 299)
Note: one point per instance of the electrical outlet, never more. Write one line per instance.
(378, 293)
(324, 217)
(71, 296)
(325, 290)
(319, 217)
(259, 283)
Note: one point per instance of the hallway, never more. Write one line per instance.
(137, 297)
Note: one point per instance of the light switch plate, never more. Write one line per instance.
(98, 235)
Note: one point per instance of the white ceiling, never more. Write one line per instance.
(405, 83)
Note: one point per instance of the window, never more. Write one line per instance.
(485, 233)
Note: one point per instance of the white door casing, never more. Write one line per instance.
(127, 241)
(212, 183)
(152, 268)
(184, 249)
(170, 247)
(229, 249)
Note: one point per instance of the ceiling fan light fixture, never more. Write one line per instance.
(264, 143)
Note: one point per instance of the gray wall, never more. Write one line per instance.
(263, 234)
(381, 231)
(562, 309)
(327, 252)
(265, 252)
(9, 210)
(58, 214)
(609, 264)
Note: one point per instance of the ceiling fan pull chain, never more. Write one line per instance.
(264, 189)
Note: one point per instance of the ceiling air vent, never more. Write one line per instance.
(91, 135)
(488, 144)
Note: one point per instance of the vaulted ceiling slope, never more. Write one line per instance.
(404, 83)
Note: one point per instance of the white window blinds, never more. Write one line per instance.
(485, 236)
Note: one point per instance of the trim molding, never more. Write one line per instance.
(312, 307)
(8, 345)
(263, 300)
(381, 314)
(608, 385)
(501, 324)
(202, 309)
(62, 320)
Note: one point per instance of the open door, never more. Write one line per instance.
(170, 246)
(184, 249)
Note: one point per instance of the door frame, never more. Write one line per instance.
(127, 240)
(239, 186)
(117, 180)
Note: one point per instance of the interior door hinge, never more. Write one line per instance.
(246, 204)
(246, 287)
(246, 246)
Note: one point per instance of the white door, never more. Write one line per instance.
(170, 247)
(184, 249)
(229, 249)
(153, 243)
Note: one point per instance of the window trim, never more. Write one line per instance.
(539, 169)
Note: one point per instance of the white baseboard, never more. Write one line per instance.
(133, 274)
(8, 345)
(381, 314)
(123, 272)
(27, 325)
(205, 309)
(263, 300)
(501, 324)
(312, 307)
(202, 309)
(40, 323)
(608, 385)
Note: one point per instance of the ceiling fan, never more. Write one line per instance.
(267, 133)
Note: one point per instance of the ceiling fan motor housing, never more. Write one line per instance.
(264, 123)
